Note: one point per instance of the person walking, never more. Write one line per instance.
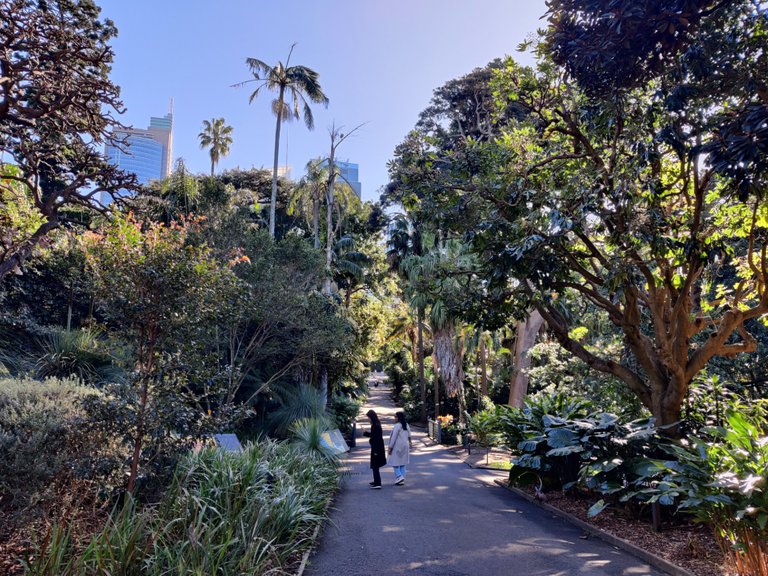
(378, 456)
(400, 444)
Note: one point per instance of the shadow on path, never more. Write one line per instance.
(449, 520)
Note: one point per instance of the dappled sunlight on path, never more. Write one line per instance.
(450, 520)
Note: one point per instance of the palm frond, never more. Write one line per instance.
(259, 68)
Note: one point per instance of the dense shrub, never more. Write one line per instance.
(400, 372)
(722, 479)
(45, 440)
(343, 412)
(296, 403)
(561, 442)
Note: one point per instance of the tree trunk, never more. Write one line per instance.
(524, 341)
(483, 375)
(449, 360)
(316, 220)
(324, 387)
(667, 410)
(420, 353)
(213, 167)
(139, 439)
(273, 198)
(436, 383)
(329, 221)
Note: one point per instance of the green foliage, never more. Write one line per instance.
(707, 402)
(484, 424)
(226, 513)
(721, 479)
(343, 411)
(307, 434)
(166, 299)
(560, 443)
(517, 424)
(46, 440)
(19, 218)
(77, 353)
(400, 372)
(296, 403)
(554, 369)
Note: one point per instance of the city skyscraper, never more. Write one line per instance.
(349, 174)
(146, 153)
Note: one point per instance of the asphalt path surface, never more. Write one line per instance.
(449, 520)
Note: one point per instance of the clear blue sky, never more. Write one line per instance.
(378, 60)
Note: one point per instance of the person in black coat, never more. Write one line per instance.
(378, 455)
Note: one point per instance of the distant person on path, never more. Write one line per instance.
(400, 444)
(378, 456)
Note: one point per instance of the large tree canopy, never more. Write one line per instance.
(638, 198)
(56, 110)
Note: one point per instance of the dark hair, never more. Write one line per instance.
(401, 418)
(374, 417)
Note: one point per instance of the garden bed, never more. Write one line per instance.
(690, 546)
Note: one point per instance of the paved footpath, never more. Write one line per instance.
(449, 520)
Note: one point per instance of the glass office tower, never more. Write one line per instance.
(146, 153)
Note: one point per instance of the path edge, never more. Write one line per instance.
(650, 558)
(308, 551)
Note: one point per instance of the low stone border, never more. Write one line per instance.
(644, 555)
(308, 551)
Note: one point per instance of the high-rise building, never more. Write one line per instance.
(145, 153)
(284, 172)
(349, 174)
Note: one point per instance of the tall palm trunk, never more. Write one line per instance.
(483, 374)
(213, 166)
(422, 382)
(273, 200)
(329, 220)
(316, 219)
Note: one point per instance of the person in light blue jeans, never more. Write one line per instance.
(400, 444)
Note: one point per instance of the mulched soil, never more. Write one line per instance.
(20, 530)
(690, 546)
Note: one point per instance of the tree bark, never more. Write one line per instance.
(324, 389)
(524, 341)
(329, 219)
(449, 360)
(24, 251)
(422, 382)
(483, 375)
(273, 198)
(138, 440)
(316, 220)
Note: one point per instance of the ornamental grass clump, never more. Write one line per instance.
(226, 513)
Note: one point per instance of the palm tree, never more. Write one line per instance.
(403, 246)
(300, 84)
(307, 196)
(217, 136)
